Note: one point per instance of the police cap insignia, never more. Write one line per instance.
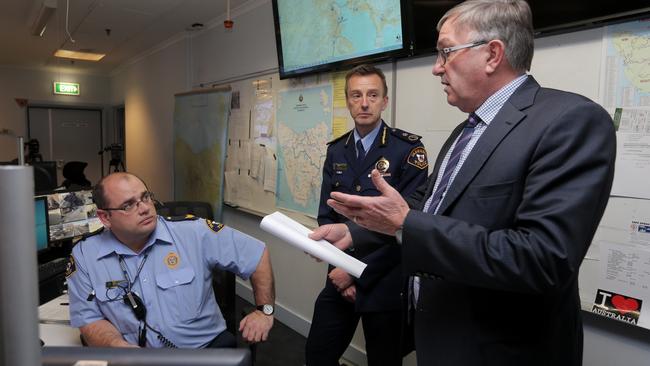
(418, 158)
(213, 225)
(71, 268)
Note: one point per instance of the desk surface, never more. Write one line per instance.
(54, 327)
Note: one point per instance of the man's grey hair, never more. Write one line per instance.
(510, 21)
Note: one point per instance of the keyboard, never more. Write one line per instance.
(52, 268)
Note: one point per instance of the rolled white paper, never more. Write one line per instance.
(295, 234)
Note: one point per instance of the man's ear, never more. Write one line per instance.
(496, 55)
(104, 217)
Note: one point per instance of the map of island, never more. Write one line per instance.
(304, 126)
(348, 28)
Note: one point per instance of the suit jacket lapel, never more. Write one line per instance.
(431, 181)
(507, 118)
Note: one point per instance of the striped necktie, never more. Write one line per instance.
(464, 138)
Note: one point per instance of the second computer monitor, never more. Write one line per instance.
(41, 221)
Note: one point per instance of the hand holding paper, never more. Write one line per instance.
(298, 235)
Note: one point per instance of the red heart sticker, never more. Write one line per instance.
(624, 305)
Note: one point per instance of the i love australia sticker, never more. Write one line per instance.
(617, 306)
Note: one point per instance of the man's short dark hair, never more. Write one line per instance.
(365, 70)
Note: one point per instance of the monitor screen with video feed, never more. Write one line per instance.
(72, 214)
(315, 36)
(41, 221)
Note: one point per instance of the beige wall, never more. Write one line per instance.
(36, 86)
(147, 88)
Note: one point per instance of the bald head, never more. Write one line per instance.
(99, 192)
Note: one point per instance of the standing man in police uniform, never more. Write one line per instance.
(375, 297)
(146, 280)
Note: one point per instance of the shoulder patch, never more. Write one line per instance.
(340, 137)
(406, 136)
(213, 225)
(71, 268)
(187, 217)
(418, 158)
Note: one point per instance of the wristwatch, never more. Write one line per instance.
(266, 309)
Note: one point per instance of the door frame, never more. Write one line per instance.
(72, 107)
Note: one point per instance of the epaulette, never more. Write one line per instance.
(88, 235)
(340, 137)
(187, 217)
(406, 136)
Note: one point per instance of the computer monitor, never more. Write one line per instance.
(45, 179)
(66, 356)
(71, 214)
(41, 221)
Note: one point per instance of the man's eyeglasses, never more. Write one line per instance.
(147, 197)
(443, 54)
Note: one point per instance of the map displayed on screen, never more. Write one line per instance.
(316, 32)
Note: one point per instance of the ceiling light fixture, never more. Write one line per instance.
(43, 17)
(78, 55)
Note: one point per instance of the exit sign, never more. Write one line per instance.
(66, 88)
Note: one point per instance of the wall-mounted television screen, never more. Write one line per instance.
(324, 35)
(549, 17)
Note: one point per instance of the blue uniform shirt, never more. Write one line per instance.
(397, 154)
(175, 280)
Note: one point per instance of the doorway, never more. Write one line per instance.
(68, 134)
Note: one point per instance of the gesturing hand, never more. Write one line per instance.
(383, 214)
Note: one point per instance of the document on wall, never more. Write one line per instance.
(624, 290)
(257, 156)
(296, 234)
(632, 152)
(270, 170)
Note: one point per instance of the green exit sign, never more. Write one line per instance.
(66, 88)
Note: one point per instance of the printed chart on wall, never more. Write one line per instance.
(623, 241)
(200, 131)
(304, 120)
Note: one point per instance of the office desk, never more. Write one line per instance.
(54, 323)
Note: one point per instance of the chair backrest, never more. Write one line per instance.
(179, 208)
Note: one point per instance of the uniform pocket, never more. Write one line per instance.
(179, 293)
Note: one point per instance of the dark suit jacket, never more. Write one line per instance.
(380, 285)
(500, 260)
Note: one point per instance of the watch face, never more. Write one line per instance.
(267, 309)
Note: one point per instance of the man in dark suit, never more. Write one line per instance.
(496, 236)
(375, 296)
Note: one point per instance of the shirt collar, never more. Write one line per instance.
(492, 105)
(110, 244)
(368, 139)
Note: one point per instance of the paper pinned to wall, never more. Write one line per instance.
(295, 234)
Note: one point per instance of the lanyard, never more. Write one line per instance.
(126, 272)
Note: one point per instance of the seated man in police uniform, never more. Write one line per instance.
(147, 281)
(375, 297)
